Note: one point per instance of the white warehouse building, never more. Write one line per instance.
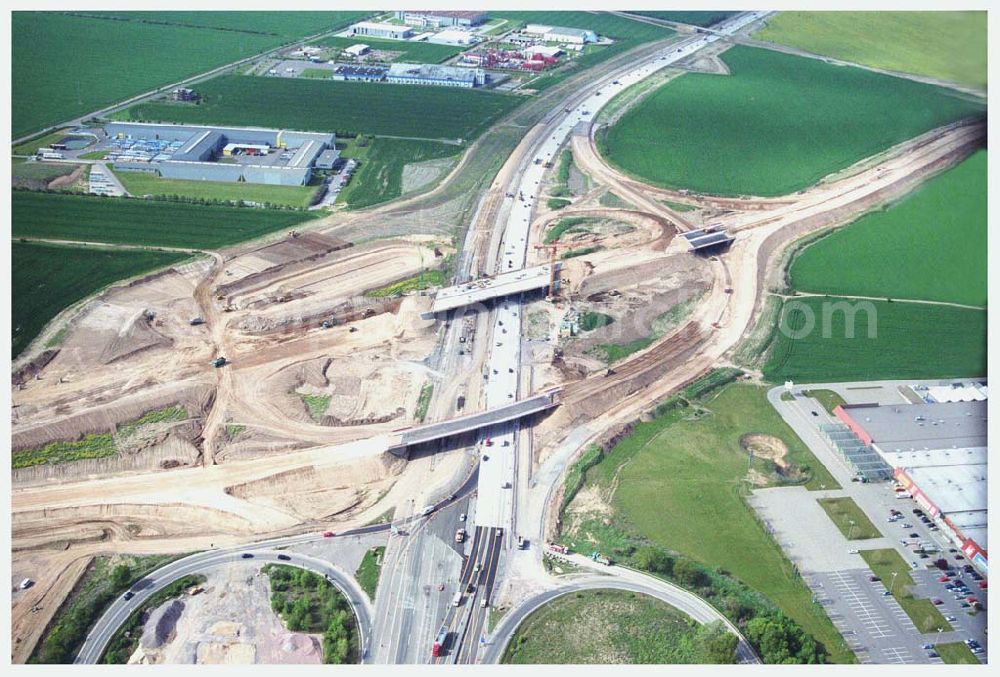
(577, 36)
(433, 74)
(381, 30)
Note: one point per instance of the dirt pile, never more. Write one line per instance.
(160, 625)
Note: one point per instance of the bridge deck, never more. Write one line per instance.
(484, 289)
(463, 424)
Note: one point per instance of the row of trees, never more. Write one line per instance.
(776, 637)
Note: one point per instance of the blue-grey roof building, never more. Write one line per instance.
(250, 154)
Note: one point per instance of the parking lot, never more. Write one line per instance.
(873, 624)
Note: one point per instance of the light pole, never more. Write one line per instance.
(892, 584)
(850, 532)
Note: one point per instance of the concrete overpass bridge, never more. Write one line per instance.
(430, 432)
(484, 289)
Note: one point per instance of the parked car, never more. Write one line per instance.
(246, 555)
(943, 579)
(874, 578)
(937, 601)
(907, 525)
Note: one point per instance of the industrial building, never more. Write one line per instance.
(251, 155)
(357, 50)
(381, 30)
(327, 159)
(441, 19)
(433, 74)
(938, 453)
(359, 73)
(561, 34)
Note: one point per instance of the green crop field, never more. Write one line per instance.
(142, 222)
(380, 171)
(598, 627)
(777, 124)
(410, 52)
(948, 46)
(65, 65)
(931, 245)
(46, 279)
(683, 475)
(627, 34)
(146, 183)
(342, 107)
(913, 340)
(703, 19)
(288, 25)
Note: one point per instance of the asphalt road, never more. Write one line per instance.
(121, 609)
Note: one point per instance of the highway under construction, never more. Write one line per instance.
(339, 413)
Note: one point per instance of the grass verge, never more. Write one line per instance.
(369, 570)
(849, 518)
(829, 399)
(104, 579)
(887, 562)
(616, 627)
(956, 653)
(426, 279)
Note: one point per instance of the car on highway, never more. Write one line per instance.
(483, 603)
(128, 595)
(462, 517)
(327, 534)
(284, 558)
(247, 555)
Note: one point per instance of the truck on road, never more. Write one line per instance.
(457, 598)
(438, 647)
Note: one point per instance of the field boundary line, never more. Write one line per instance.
(889, 299)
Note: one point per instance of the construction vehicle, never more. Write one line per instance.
(561, 549)
(522, 542)
(728, 290)
(219, 362)
(609, 372)
(325, 324)
(548, 165)
(600, 559)
(196, 321)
